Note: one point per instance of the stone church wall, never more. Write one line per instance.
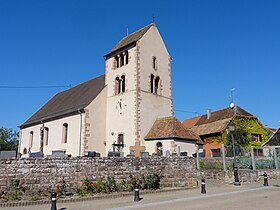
(41, 174)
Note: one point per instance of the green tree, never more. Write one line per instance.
(8, 139)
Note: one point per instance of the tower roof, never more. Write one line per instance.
(130, 39)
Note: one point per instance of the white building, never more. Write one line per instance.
(114, 111)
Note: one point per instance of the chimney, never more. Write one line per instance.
(208, 113)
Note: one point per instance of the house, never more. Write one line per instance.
(272, 144)
(113, 112)
(168, 132)
(212, 128)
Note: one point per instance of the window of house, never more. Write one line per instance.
(64, 133)
(31, 136)
(215, 152)
(46, 135)
(257, 137)
(154, 63)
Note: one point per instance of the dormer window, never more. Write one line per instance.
(154, 63)
(121, 59)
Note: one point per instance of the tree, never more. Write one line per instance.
(241, 139)
(8, 139)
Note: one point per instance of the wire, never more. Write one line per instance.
(177, 110)
(33, 87)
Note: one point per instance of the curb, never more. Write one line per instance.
(90, 198)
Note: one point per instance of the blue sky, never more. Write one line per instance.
(215, 45)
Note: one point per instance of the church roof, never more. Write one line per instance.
(68, 102)
(217, 122)
(132, 38)
(170, 128)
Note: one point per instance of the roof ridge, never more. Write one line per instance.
(139, 30)
(131, 38)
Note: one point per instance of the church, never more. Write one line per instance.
(128, 110)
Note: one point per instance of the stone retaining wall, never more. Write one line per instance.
(35, 174)
(42, 173)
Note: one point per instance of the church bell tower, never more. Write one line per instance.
(139, 90)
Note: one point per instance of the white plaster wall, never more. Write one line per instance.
(121, 107)
(166, 146)
(55, 136)
(154, 106)
(97, 120)
(186, 146)
(25, 133)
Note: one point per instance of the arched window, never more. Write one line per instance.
(121, 59)
(126, 57)
(155, 84)
(159, 148)
(24, 151)
(123, 83)
(152, 83)
(117, 85)
(157, 81)
(120, 142)
(31, 136)
(117, 60)
(120, 85)
(46, 135)
(64, 133)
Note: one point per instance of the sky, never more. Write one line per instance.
(216, 46)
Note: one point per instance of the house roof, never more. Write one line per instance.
(274, 139)
(217, 122)
(170, 128)
(68, 101)
(132, 38)
(191, 122)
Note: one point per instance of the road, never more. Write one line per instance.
(219, 196)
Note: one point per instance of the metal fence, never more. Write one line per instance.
(247, 158)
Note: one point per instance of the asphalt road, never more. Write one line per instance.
(219, 196)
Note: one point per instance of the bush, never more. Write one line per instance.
(144, 182)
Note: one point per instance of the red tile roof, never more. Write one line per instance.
(170, 128)
(217, 122)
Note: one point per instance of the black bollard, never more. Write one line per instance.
(265, 179)
(203, 190)
(53, 207)
(136, 194)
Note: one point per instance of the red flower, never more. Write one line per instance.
(58, 191)
(140, 180)
(94, 184)
(58, 186)
(142, 174)
(129, 181)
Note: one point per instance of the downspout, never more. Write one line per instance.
(80, 143)
(19, 143)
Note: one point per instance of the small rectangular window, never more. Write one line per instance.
(154, 62)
